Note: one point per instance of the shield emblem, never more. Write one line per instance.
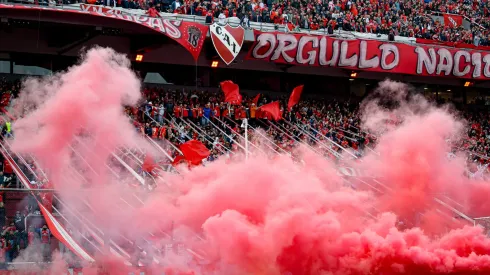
(227, 41)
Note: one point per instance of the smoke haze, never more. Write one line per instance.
(262, 216)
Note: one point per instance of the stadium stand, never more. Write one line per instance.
(424, 20)
(182, 115)
(178, 115)
(338, 121)
(418, 19)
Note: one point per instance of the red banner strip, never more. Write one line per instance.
(190, 35)
(369, 55)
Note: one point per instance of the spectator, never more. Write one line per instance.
(45, 243)
(152, 11)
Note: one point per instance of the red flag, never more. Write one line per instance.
(256, 99)
(231, 91)
(452, 20)
(273, 109)
(178, 160)
(148, 164)
(5, 100)
(295, 96)
(194, 151)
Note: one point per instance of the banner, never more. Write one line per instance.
(369, 55)
(191, 35)
(227, 41)
(99, 9)
(452, 20)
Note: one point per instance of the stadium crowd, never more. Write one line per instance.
(407, 18)
(329, 127)
(180, 115)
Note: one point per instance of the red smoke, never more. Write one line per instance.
(265, 216)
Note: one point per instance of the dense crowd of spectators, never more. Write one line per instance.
(408, 18)
(179, 116)
(328, 127)
(182, 115)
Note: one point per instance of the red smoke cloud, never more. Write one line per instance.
(265, 216)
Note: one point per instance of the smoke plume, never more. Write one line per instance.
(261, 215)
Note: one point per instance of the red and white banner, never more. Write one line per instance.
(452, 20)
(99, 9)
(369, 55)
(191, 35)
(227, 41)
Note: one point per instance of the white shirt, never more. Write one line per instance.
(221, 19)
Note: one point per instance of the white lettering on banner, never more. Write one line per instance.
(311, 50)
(264, 40)
(323, 53)
(363, 63)
(386, 50)
(457, 59)
(461, 63)
(475, 61)
(227, 38)
(98, 9)
(371, 55)
(446, 62)
(287, 42)
(486, 70)
(424, 60)
(172, 28)
(344, 60)
(168, 27)
(311, 54)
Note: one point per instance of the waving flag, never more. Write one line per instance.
(256, 99)
(295, 96)
(272, 109)
(148, 164)
(231, 91)
(453, 20)
(194, 151)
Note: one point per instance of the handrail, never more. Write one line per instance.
(77, 249)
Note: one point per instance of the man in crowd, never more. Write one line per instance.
(45, 243)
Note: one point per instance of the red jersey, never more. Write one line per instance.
(45, 236)
(238, 112)
(152, 12)
(163, 132)
(177, 111)
(7, 168)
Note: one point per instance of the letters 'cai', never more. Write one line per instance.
(227, 41)
(370, 55)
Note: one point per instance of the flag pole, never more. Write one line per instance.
(245, 126)
(246, 138)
